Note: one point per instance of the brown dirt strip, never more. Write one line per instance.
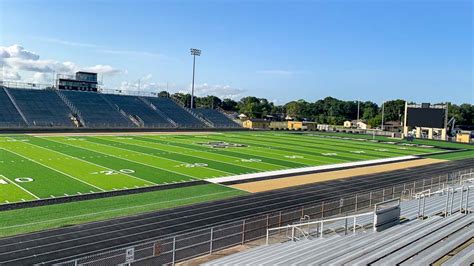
(292, 181)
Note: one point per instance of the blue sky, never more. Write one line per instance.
(281, 50)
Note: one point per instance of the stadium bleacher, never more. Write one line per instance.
(96, 111)
(217, 118)
(42, 108)
(51, 108)
(9, 115)
(177, 113)
(414, 242)
(133, 106)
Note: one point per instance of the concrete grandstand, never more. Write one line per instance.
(51, 108)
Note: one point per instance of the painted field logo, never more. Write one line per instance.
(251, 160)
(329, 154)
(192, 165)
(294, 157)
(358, 152)
(221, 144)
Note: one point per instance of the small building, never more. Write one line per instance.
(293, 125)
(359, 124)
(255, 123)
(279, 125)
(82, 81)
(463, 137)
(394, 126)
(242, 116)
(323, 127)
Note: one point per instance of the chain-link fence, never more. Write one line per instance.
(172, 249)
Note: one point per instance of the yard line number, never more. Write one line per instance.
(114, 172)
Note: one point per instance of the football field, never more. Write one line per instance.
(39, 167)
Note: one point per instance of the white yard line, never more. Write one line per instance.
(22, 188)
(156, 167)
(56, 170)
(193, 155)
(217, 152)
(308, 169)
(77, 158)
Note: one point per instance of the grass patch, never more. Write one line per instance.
(53, 216)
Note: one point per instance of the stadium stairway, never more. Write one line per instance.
(414, 242)
(96, 111)
(35, 108)
(175, 112)
(138, 110)
(217, 118)
(42, 108)
(10, 115)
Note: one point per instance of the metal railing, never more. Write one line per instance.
(172, 249)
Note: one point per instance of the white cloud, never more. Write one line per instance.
(103, 69)
(221, 91)
(145, 85)
(9, 74)
(15, 59)
(41, 78)
(17, 51)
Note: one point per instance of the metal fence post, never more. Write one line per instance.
(345, 226)
(212, 238)
(243, 232)
(467, 201)
(370, 198)
(268, 235)
(174, 251)
(354, 225)
(322, 209)
(356, 202)
(452, 203)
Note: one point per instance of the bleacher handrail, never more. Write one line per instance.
(319, 223)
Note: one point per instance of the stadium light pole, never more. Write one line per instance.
(194, 53)
(383, 111)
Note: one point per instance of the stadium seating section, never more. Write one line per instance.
(215, 117)
(65, 109)
(9, 115)
(177, 113)
(136, 108)
(42, 108)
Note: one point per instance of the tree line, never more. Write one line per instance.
(325, 111)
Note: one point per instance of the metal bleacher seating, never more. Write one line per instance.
(413, 242)
(9, 115)
(133, 106)
(217, 118)
(175, 112)
(24, 107)
(42, 108)
(96, 111)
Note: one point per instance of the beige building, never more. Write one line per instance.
(256, 124)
